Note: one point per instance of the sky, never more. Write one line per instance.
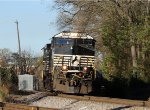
(37, 24)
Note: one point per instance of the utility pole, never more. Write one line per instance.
(19, 47)
(18, 39)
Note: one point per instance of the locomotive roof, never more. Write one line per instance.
(73, 35)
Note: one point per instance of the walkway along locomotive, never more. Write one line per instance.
(69, 63)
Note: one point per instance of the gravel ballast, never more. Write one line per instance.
(74, 104)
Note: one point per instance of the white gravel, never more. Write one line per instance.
(53, 102)
(73, 104)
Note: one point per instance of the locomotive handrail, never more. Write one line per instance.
(93, 67)
(87, 61)
(65, 60)
(59, 57)
(74, 75)
(68, 61)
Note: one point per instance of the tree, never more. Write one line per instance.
(5, 55)
(120, 27)
(29, 61)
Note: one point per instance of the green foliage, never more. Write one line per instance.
(8, 78)
(1, 95)
(107, 67)
(116, 37)
(39, 61)
(5, 76)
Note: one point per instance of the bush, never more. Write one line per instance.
(4, 91)
(8, 81)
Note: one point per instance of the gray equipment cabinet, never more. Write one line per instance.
(27, 82)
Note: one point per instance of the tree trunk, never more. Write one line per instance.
(133, 48)
(0, 80)
(134, 58)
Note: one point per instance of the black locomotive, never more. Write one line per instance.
(69, 63)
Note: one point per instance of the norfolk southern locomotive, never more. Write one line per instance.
(69, 63)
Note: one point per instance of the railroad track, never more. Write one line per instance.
(14, 106)
(108, 100)
(30, 102)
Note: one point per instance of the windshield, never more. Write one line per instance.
(63, 46)
(74, 46)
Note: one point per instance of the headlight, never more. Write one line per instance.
(81, 74)
(84, 69)
(64, 68)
